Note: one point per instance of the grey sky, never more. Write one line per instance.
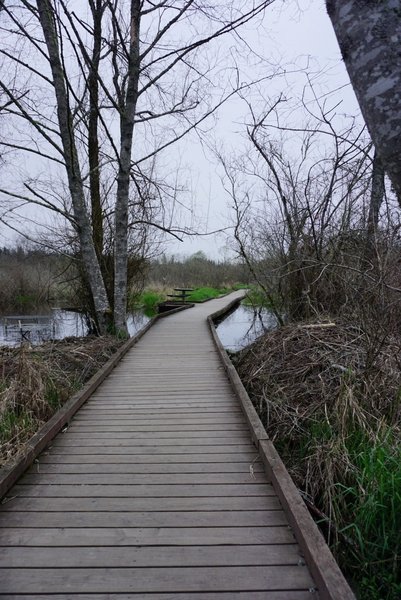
(292, 34)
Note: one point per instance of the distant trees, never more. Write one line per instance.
(369, 36)
(79, 79)
(196, 270)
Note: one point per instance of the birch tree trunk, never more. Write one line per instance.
(65, 120)
(369, 35)
(127, 115)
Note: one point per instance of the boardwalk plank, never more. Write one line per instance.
(138, 442)
(160, 420)
(194, 503)
(157, 450)
(159, 556)
(142, 491)
(134, 536)
(143, 519)
(162, 468)
(106, 427)
(142, 479)
(151, 579)
(57, 455)
(236, 434)
(267, 595)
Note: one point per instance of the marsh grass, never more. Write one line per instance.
(207, 293)
(334, 416)
(148, 300)
(35, 382)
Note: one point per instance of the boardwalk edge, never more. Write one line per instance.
(331, 582)
(41, 439)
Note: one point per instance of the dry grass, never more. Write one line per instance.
(331, 404)
(316, 376)
(36, 381)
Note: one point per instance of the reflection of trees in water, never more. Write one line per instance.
(257, 326)
(59, 325)
(244, 325)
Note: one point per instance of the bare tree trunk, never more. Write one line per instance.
(93, 133)
(369, 35)
(127, 116)
(91, 264)
(376, 199)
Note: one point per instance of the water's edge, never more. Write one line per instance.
(239, 329)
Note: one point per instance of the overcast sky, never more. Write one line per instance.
(293, 33)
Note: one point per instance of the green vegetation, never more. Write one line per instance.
(150, 298)
(373, 500)
(255, 297)
(207, 293)
(148, 301)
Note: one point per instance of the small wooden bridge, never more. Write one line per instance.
(157, 491)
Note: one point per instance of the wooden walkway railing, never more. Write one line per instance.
(155, 490)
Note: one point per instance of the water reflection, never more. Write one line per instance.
(238, 329)
(244, 326)
(56, 325)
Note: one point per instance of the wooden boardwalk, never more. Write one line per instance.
(155, 491)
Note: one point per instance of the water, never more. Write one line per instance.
(56, 325)
(244, 326)
(236, 331)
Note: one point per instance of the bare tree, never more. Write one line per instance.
(303, 206)
(369, 36)
(111, 68)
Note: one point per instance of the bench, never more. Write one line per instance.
(182, 295)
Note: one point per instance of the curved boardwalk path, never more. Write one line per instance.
(149, 493)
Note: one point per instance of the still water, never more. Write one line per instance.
(244, 326)
(56, 325)
(236, 331)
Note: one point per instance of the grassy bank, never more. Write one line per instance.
(37, 381)
(207, 293)
(150, 298)
(333, 411)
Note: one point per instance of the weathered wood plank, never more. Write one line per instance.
(158, 556)
(57, 455)
(141, 479)
(193, 430)
(143, 519)
(143, 491)
(158, 435)
(118, 404)
(267, 595)
(162, 468)
(158, 410)
(127, 503)
(145, 442)
(151, 579)
(136, 536)
(159, 420)
(158, 450)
